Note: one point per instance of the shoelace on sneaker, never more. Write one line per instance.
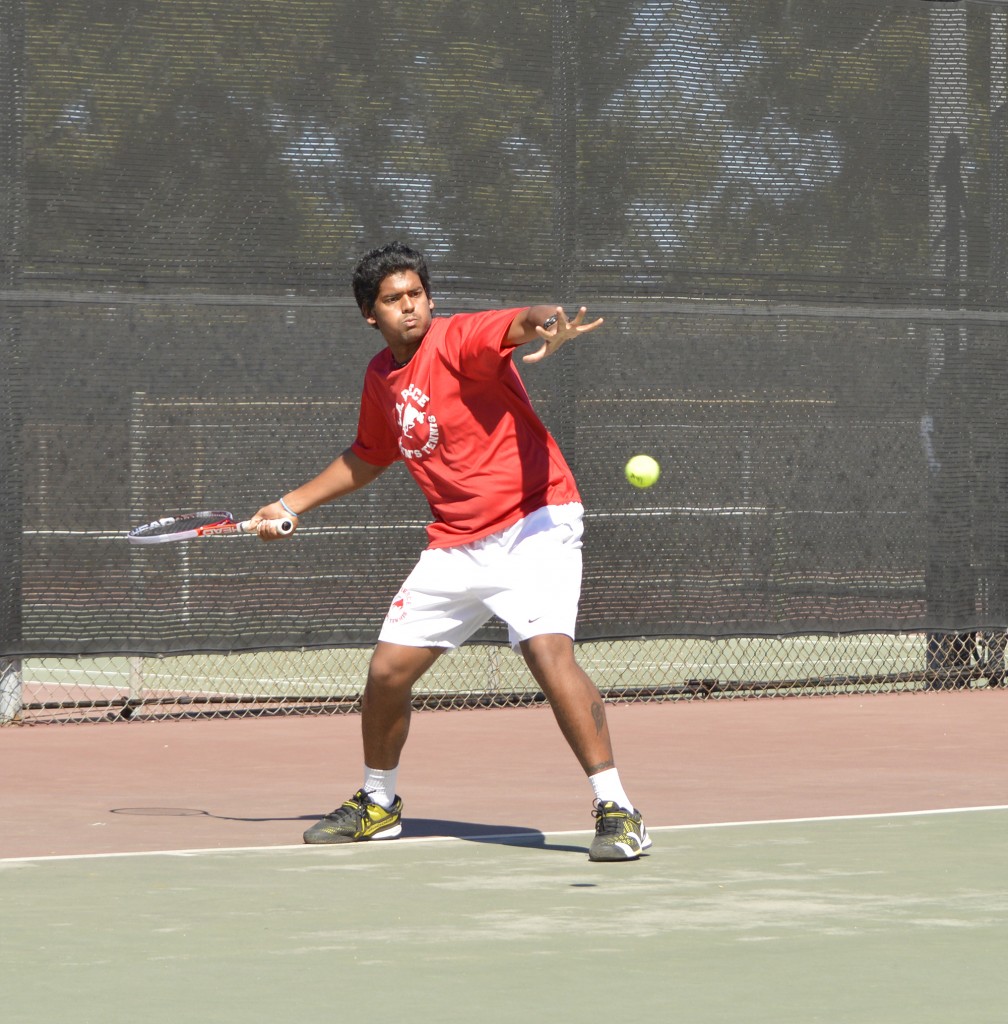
(604, 823)
(354, 808)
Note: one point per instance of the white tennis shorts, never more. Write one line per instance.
(529, 575)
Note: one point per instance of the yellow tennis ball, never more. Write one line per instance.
(642, 471)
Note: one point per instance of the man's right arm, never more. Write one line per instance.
(348, 472)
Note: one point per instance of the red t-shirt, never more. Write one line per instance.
(460, 418)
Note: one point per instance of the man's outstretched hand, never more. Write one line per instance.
(562, 331)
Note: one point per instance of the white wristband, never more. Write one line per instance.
(288, 509)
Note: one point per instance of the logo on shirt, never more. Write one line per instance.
(418, 429)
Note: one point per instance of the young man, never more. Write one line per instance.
(445, 397)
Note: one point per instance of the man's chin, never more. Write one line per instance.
(411, 335)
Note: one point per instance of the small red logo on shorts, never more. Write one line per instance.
(400, 605)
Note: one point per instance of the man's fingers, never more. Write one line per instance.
(561, 332)
(534, 357)
(270, 529)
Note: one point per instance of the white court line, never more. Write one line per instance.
(516, 837)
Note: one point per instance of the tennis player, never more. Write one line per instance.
(445, 397)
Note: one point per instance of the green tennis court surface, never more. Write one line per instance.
(882, 920)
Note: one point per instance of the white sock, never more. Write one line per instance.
(607, 786)
(380, 785)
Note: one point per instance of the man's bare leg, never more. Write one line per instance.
(574, 698)
(386, 704)
(374, 811)
(577, 705)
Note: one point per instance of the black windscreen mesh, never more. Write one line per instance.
(792, 216)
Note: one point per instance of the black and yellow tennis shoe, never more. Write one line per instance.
(619, 834)
(357, 821)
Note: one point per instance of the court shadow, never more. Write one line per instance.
(413, 828)
(476, 832)
(192, 812)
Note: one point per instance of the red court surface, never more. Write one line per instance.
(217, 784)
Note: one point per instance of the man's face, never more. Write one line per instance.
(402, 311)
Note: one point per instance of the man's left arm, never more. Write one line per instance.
(551, 325)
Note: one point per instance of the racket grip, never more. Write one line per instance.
(284, 525)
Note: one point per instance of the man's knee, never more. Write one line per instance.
(394, 667)
(549, 654)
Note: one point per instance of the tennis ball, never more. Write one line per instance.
(642, 471)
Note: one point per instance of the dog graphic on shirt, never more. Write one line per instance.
(418, 429)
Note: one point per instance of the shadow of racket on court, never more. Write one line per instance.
(413, 828)
(196, 812)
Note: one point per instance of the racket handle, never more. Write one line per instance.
(284, 525)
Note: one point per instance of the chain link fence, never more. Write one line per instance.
(791, 215)
(329, 681)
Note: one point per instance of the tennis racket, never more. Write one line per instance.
(192, 525)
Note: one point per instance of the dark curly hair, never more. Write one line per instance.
(374, 266)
